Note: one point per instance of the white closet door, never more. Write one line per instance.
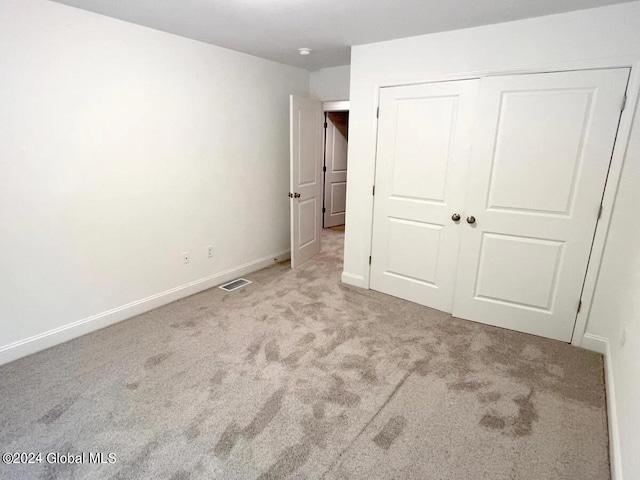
(541, 152)
(424, 136)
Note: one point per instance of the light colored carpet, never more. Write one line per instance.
(298, 376)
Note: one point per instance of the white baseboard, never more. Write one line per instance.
(353, 279)
(594, 343)
(601, 345)
(76, 329)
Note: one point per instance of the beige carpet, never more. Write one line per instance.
(298, 376)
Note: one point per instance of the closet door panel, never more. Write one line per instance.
(541, 152)
(424, 136)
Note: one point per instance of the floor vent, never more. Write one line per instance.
(235, 284)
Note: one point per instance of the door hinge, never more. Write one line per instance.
(324, 169)
(624, 102)
(325, 125)
(600, 212)
(374, 190)
(579, 305)
(369, 259)
(290, 195)
(378, 112)
(324, 209)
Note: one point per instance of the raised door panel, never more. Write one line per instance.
(539, 132)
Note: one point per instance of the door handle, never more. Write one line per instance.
(455, 217)
(471, 219)
(296, 195)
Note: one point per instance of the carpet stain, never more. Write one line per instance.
(319, 410)
(390, 432)
(253, 349)
(56, 412)
(523, 424)
(363, 365)
(289, 461)
(489, 397)
(466, 386)
(227, 440)
(272, 351)
(218, 377)
(266, 414)
(132, 386)
(339, 395)
(293, 358)
(493, 421)
(342, 336)
(307, 339)
(184, 324)
(156, 360)
(181, 475)
(192, 432)
(421, 367)
(316, 431)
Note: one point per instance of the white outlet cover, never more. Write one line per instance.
(210, 251)
(185, 257)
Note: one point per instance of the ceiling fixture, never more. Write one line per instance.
(304, 51)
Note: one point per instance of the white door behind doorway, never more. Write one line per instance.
(306, 122)
(528, 194)
(335, 175)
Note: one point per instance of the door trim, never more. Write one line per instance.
(615, 166)
(339, 106)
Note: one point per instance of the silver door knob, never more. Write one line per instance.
(455, 217)
(471, 219)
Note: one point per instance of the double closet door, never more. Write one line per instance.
(488, 191)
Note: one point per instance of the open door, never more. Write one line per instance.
(306, 120)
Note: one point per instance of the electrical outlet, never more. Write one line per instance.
(623, 337)
(210, 251)
(185, 257)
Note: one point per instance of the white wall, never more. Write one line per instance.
(330, 84)
(616, 308)
(120, 148)
(604, 36)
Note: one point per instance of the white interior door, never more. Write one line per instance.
(335, 176)
(306, 121)
(424, 137)
(541, 153)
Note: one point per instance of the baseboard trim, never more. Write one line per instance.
(601, 345)
(353, 279)
(59, 335)
(594, 343)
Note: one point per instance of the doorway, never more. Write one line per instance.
(315, 187)
(336, 137)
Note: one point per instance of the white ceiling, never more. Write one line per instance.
(275, 29)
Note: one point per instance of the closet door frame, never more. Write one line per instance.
(579, 337)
